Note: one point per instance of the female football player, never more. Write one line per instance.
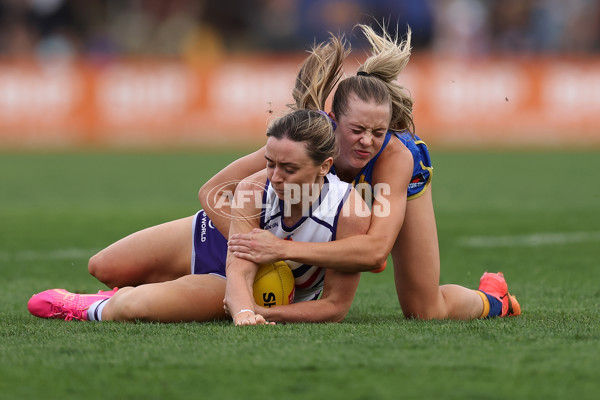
(379, 153)
(299, 151)
(371, 111)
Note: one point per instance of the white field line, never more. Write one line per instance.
(531, 240)
(59, 254)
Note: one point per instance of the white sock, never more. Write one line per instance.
(94, 313)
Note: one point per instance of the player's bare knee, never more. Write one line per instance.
(94, 266)
(102, 268)
(421, 313)
(413, 314)
(97, 267)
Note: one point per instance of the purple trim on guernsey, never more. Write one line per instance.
(337, 216)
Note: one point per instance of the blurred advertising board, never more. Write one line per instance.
(498, 102)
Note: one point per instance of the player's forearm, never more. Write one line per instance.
(238, 295)
(353, 254)
(309, 311)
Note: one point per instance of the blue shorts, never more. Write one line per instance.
(422, 170)
(209, 252)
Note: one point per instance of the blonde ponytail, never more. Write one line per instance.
(307, 122)
(375, 80)
(319, 74)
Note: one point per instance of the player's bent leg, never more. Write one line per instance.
(156, 254)
(461, 302)
(417, 269)
(416, 262)
(189, 298)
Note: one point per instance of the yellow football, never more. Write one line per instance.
(274, 285)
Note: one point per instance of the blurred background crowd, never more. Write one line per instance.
(188, 28)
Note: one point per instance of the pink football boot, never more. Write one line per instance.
(60, 304)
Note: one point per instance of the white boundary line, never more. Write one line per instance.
(531, 240)
(59, 254)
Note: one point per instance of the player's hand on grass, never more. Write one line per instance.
(226, 308)
(249, 318)
(258, 246)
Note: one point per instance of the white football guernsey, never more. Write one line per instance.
(318, 224)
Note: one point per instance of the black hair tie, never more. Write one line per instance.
(363, 73)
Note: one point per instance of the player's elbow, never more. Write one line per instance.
(380, 262)
(373, 261)
(380, 250)
(209, 193)
(339, 316)
(336, 313)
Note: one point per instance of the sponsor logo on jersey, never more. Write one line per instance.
(203, 228)
(271, 225)
(417, 181)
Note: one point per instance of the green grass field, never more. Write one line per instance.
(535, 216)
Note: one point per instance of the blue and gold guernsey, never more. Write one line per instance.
(209, 252)
(422, 170)
(319, 224)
